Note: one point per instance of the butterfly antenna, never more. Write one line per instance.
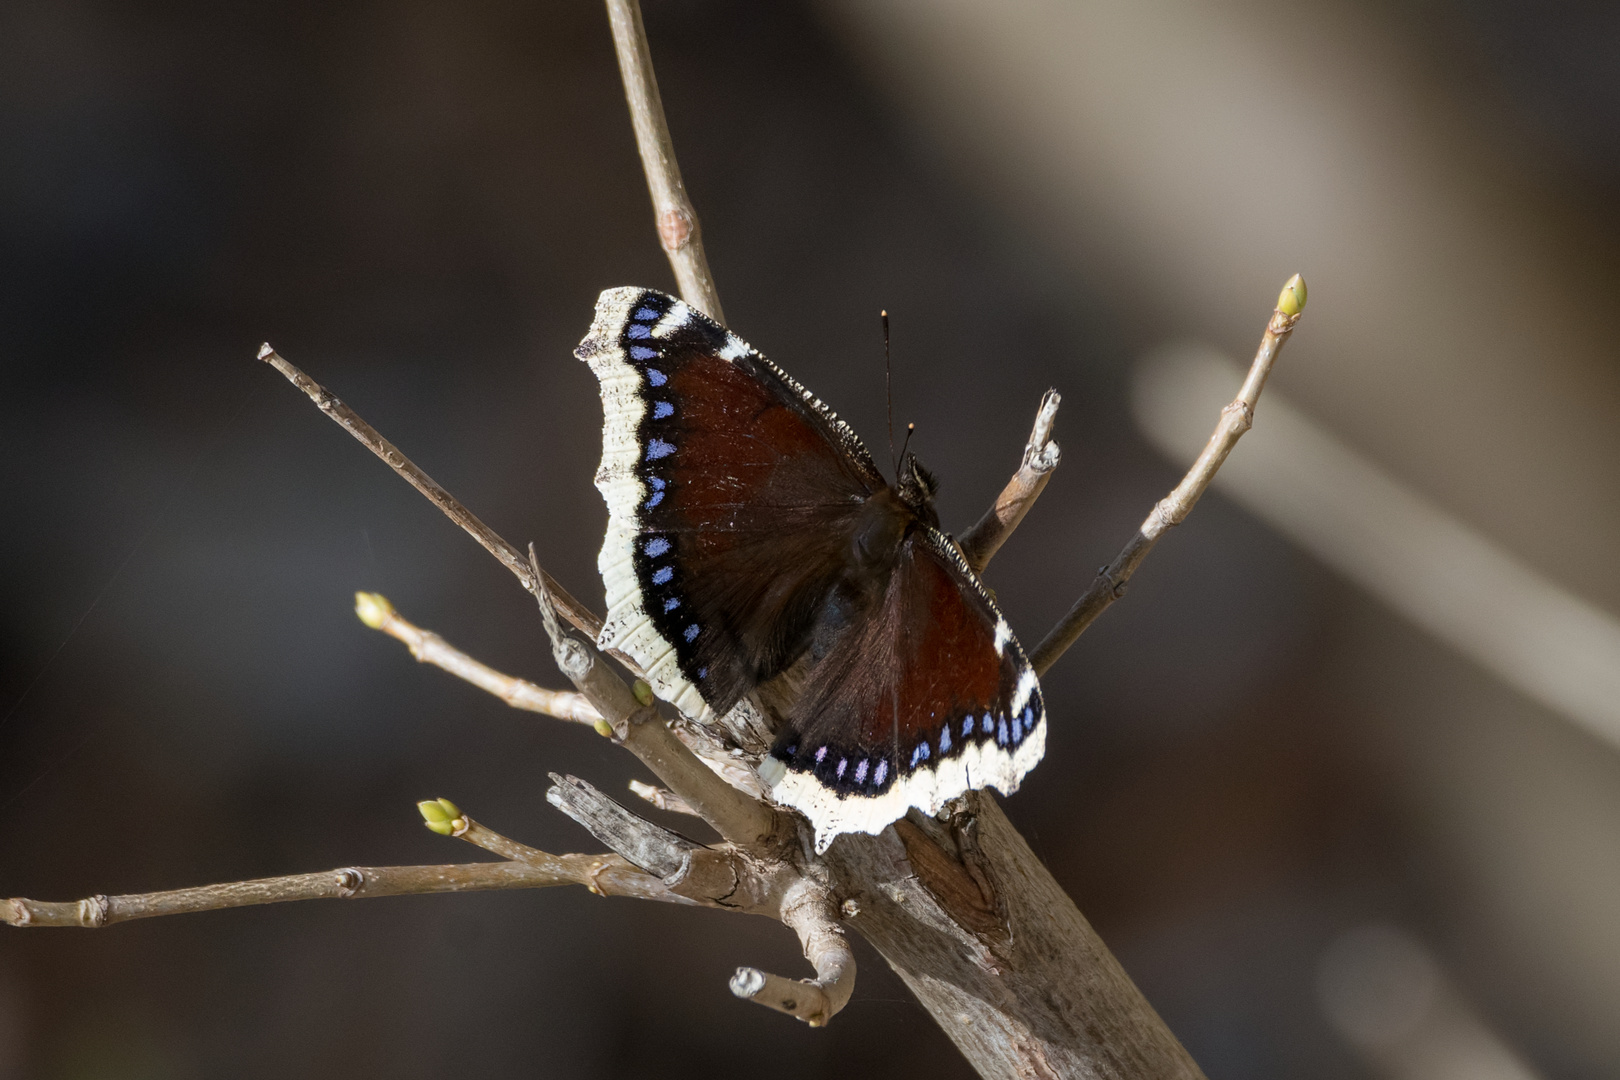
(888, 390)
(911, 429)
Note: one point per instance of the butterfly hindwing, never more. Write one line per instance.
(929, 698)
(730, 492)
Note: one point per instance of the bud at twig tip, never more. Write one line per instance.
(265, 351)
(373, 608)
(1292, 300)
(440, 815)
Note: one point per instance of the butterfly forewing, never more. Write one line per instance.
(731, 492)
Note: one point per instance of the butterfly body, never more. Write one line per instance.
(749, 531)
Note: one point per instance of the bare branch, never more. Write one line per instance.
(1041, 455)
(353, 882)
(664, 800)
(377, 612)
(809, 910)
(510, 557)
(1172, 510)
(465, 828)
(677, 222)
(735, 815)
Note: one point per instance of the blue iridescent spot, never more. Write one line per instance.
(922, 750)
(945, 740)
(691, 632)
(703, 673)
(914, 754)
(843, 763)
(646, 314)
(656, 483)
(656, 546)
(641, 352)
(671, 604)
(637, 333)
(657, 497)
(988, 724)
(1001, 732)
(882, 773)
(967, 725)
(821, 752)
(1029, 720)
(658, 448)
(663, 409)
(860, 772)
(662, 575)
(656, 377)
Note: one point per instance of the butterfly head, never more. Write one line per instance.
(916, 487)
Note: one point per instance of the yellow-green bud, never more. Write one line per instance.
(642, 691)
(439, 815)
(373, 608)
(604, 729)
(1292, 300)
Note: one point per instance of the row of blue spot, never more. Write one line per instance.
(657, 449)
(879, 773)
(1007, 733)
(657, 547)
(872, 773)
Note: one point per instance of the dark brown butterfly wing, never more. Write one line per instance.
(731, 492)
(929, 697)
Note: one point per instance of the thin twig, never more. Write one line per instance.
(737, 816)
(1236, 418)
(1041, 456)
(608, 875)
(377, 612)
(659, 797)
(465, 828)
(510, 557)
(812, 915)
(677, 222)
(353, 882)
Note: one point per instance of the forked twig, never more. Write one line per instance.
(1236, 418)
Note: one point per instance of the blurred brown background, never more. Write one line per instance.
(1323, 841)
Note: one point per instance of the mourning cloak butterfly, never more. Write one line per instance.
(749, 528)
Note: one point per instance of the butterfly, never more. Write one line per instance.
(749, 531)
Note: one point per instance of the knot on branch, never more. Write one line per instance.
(675, 228)
(1243, 413)
(93, 910)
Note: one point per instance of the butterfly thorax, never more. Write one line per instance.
(880, 530)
